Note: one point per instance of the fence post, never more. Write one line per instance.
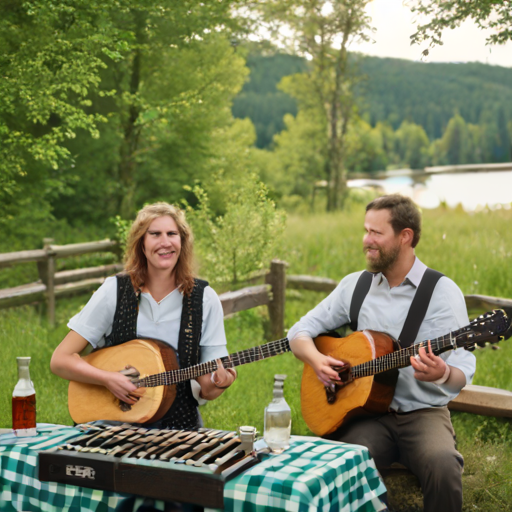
(50, 280)
(277, 280)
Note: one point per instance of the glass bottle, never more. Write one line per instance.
(24, 401)
(278, 419)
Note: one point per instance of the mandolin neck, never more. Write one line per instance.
(250, 355)
(402, 358)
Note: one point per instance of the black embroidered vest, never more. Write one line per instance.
(183, 413)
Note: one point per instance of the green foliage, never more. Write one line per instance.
(101, 103)
(364, 148)
(243, 239)
(412, 145)
(455, 143)
(122, 229)
(299, 156)
(430, 94)
(259, 99)
(394, 91)
(50, 63)
(321, 30)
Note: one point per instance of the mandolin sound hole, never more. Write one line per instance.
(124, 406)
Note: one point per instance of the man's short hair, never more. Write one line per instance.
(404, 214)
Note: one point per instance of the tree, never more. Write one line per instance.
(243, 239)
(322, 31)
(365, 147)
(413, 145)
(69, 67)
(50, 61)
(441, 14)
(299, 156)
(456, 141)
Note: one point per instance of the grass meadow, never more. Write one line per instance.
(475, 250)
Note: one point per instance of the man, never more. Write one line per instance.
(417, 430)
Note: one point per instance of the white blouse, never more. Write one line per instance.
(157, 320)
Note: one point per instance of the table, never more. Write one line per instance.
(312, 475)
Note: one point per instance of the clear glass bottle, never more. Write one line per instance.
(24, 401)
(278, 419)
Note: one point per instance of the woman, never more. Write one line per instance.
(156, 297)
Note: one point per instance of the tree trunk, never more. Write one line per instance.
(129, 144)
(339, 116)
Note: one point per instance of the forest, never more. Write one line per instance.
(394, 93)
(105, 106)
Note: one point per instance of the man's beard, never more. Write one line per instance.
(385, 260)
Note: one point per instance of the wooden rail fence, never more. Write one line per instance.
(51, 284)
(271, 293)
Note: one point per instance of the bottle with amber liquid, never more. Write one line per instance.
(24, 401)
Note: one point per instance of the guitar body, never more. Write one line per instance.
(89, 402)
(367, 395)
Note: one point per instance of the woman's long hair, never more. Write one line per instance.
(135, 262)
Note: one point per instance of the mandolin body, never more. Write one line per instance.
(366, 395)
(90, 402)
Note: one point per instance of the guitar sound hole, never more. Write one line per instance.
(345, 376)
(344, 372)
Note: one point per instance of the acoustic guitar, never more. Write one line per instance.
(368, 380)
(157, 365)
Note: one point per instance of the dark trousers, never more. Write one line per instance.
(424, 442)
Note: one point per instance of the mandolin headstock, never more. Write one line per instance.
(490, 327)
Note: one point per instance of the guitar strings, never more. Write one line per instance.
(396, 359)
(401, 358)
(250, 355)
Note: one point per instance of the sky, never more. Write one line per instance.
(394, 25)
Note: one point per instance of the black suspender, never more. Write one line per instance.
(417, 310)
(419, 307)
(360, 291)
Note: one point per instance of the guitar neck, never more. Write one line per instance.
(402, 358)
(250, 355)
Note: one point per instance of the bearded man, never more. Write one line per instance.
(416, 431)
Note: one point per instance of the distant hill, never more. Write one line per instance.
(429, 94)
(392, 90)
(260, 100)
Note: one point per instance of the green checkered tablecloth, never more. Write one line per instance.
(20, 490)
(312, 475)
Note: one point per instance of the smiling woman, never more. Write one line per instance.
(162, 245)
(156, 297)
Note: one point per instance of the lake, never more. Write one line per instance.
(473, 190)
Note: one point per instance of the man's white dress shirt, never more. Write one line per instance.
(385, 309)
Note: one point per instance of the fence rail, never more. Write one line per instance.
(52, 284)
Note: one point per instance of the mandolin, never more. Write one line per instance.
(368, 380)
(157, 365)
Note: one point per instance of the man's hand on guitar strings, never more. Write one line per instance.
(427, 366)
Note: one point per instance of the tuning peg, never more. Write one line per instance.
(471, 348)
(495, 347)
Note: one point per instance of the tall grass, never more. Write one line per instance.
(473, 249)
